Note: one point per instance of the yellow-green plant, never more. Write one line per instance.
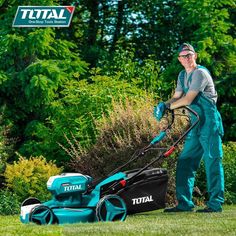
(28, 177)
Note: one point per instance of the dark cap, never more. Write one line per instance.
(186, 47)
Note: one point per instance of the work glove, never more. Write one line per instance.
(159, 110)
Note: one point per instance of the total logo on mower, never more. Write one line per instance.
(141, 200)
(68, 188)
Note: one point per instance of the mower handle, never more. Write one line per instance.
(123, 183)
(119, 185)
(159, 137)
(162, 134)
(167, 152)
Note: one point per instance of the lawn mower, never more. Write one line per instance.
(77, 198)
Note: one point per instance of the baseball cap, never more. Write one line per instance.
(186, 47)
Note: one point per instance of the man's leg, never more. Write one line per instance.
(187, 165)
(215, 174)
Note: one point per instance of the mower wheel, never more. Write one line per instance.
(111, 208)
(30, 201)
(42, 215)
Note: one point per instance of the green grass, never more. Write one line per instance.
(152, 223)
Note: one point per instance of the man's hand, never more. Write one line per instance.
(159, 110)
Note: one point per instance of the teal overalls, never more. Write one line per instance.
(204, 141)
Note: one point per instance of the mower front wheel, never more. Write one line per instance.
(42, 215)
(111, 208)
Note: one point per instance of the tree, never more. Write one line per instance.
(47, 91)
(34, 67)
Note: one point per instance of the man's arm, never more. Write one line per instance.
(177, 95)
(184, 101)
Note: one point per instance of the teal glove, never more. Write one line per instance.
(159, 110)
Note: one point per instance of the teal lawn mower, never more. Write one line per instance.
(77, 198)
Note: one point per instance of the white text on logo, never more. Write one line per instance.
(42, 14)
(141, 200)
(72, 188)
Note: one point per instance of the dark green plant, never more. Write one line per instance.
(6, 148)
(229, 163)
(9, 202)
(142, 73)
(35, 65)
(80, 104)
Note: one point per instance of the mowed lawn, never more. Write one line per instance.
(152, 223)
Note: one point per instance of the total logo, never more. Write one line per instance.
(141, 200)
(43, 16)
(72, 188)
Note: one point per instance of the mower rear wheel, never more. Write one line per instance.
(111, 208)
(42, 215)
(30, 201)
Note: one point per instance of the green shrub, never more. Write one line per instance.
(9, 203)
(144, 74)
(6, 146)
(6, 149)
(229, 162)
(80, 103)
(28, 177)
(126, 128)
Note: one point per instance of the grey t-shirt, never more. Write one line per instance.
(201, 81)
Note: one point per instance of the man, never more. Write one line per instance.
(195, 88)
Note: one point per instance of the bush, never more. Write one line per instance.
(28, 177)
(79, 105)
(229, 162)
(6, 149)
(128, 127)
(9, 203)
(6, 146)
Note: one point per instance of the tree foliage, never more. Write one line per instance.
(35, 67)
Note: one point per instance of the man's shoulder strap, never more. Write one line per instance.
(204, 68)
(181, 77)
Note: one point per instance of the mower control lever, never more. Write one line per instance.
(162, 134)
(158, 138)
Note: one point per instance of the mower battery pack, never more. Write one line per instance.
(147, 192)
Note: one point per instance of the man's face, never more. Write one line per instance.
(187, 58)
